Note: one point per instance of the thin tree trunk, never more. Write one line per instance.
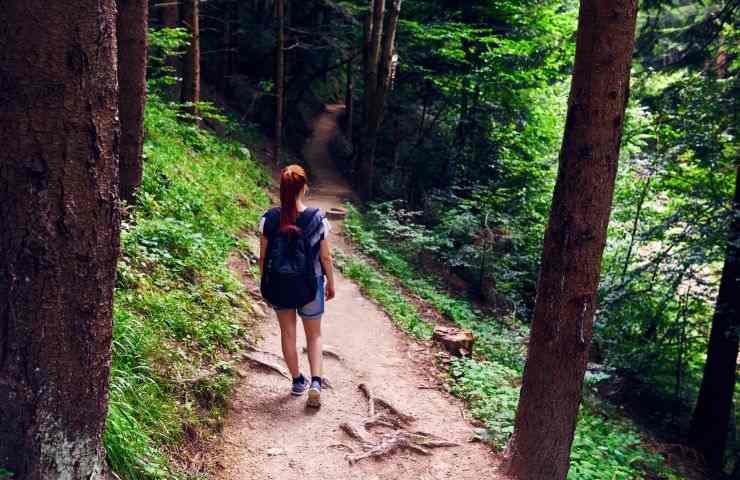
(226, 70)
(170, 14)
(385, 71)
(377, 8)
(191, 60)
(574, 243)
(59, 231)
(349, 101)
(279, 78)
(366, 50)
(377, 85)
(132, 53)
(709, 424)
(633, 231)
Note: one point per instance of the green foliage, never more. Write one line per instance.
(668, 233)
(5, 473)
(606, 445)
(178, 309)
(163, 44)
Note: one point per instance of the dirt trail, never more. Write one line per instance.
(270, 435)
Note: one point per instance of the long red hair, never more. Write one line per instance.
(292, 180)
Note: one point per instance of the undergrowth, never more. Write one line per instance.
(179, 311)
(607, 446)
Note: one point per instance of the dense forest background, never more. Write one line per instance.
(451, 127)
(468, 147)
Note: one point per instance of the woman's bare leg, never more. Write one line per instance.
(287, 320)
(313, 340)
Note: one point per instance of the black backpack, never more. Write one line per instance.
(288, 278)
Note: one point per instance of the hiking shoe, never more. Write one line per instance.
(314, 394)
(300, 385)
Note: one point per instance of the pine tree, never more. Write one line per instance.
(59, 234)
(191, 60)
(574, 242)
(132, 54)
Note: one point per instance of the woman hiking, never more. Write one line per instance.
(297, 275)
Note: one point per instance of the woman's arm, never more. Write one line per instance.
(326, 262)
(263, 252)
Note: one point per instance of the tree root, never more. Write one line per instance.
(418, 442)
(392, 441)
(374, 402)
(255, 360)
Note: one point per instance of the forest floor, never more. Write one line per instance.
(270, 435)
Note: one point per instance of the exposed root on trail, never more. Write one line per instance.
(392, 441)
(255, 360)
(374, 401)
(419, 442)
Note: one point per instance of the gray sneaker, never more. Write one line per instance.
(314, 395)
(299, 386)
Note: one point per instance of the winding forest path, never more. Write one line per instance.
(269, 435)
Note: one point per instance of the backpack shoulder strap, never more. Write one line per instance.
(315, 214)
(272, 221)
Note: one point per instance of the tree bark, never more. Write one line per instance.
(59, 234)
(377, 7)
(279, 78)
(191, 60)
(132, 54)
(226, 62)
(349, 102)
(377, 85)
(170, 14)
(574, 242)
(709, 424)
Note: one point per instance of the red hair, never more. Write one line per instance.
(292, 180)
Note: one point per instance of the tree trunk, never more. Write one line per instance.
(709, 424)
(349, 101)
(377, 7)
(279, 78)
(170, 14)
(59, 232)
(226, 63)
(574, 242)
(191, 60)
(132, 54)
(377, 85)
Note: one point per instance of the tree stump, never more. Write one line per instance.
(456, 341)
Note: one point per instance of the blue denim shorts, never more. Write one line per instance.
(313, 309)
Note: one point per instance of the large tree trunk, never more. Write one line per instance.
(279, 78)
(191, 60)
(709, 424)
(132, 53)
(59, 229)
(170, 15)
(377, 84)
(574, 242)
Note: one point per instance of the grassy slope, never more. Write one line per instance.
(179, 312)
(606, 447)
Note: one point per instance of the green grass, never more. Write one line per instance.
(179, 312)
(606, 445)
